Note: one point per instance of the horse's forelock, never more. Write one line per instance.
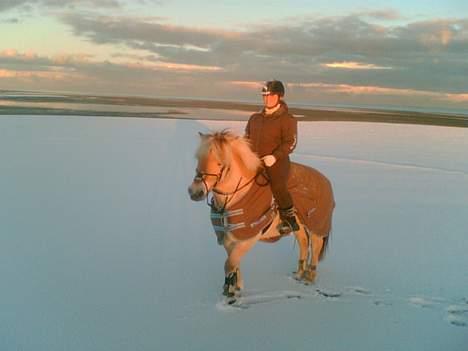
(219, 143)
(222, 147)
(223, 144)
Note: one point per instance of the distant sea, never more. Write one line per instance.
(41, 104)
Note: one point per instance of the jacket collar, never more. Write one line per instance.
(281, 110)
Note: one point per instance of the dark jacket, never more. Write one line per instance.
(274, 134)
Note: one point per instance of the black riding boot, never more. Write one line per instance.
(288, 222)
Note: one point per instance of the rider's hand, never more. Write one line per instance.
(269, 160)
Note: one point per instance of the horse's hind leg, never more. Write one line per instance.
(316, 244)
(303, 243)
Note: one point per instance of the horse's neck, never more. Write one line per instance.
(238, 182)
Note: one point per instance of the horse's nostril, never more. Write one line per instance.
(195, 194)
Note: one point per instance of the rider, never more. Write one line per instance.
(273, 135)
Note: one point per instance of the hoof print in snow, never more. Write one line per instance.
(456, 320)
(382, 303)
(358, 290)
(420, 302)
(328, 293)
(455, 315)
(457, 309)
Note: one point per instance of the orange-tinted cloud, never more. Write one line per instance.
(246, 84)
(62, 59)
(13, 53)
(386, 14)
(171, 66)
(457, 97)
(354, 65)
(361, 89)
(377, 90)
(51, 75)
(442, 37)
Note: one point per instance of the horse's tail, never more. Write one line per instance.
(324, 247)
(326, 238)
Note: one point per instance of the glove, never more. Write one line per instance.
(269, 160)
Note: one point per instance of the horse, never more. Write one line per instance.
(243, 211)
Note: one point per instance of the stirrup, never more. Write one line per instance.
(285, 227)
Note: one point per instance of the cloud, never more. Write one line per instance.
(6, 5)
(87, 66)
(145, 32)
(84, 73)
(10, 20)
(386, 15)
(366, 90)
(356, 90)
(12, 53)
(49, 75)
(420, 55)
(247, 84)
(174, 67)
(63, 59)
(353, 65)
(128, 75)
(368, 54)
(457, 97)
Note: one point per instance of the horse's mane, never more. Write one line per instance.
(224, 144)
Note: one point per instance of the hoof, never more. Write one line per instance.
(299, 275)
(310, 276)
(229, 292)
(225, 290)
(230, 286)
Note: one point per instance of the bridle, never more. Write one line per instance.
(200, 176)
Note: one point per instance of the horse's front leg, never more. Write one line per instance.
(236, 250)
(303, 243)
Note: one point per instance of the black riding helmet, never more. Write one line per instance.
(273, 87)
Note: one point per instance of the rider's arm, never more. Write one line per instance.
(288, 137)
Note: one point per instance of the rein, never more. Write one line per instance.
(236, 190)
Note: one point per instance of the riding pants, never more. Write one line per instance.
(278, 174)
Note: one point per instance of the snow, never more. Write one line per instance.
(102, 249)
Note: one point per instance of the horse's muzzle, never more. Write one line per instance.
(196, 193)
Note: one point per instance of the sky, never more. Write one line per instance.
(406, 54)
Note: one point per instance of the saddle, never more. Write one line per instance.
(312, 197)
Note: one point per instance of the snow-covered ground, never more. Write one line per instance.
(101, 248)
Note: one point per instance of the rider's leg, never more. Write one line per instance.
(278, 174)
